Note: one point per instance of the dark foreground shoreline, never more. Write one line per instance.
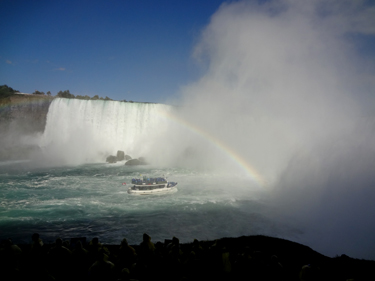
(242, 258)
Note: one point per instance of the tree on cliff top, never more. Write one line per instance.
(6, 91)
(38, 93)
(65, 94)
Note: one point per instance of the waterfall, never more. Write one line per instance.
(79, 131)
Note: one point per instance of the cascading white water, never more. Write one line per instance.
(79, 131)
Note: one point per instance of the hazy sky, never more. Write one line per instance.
(136, 50)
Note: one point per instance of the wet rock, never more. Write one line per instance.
(111, 159)
(134, 162)
(120, 155)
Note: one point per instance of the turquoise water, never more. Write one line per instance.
(90, 200)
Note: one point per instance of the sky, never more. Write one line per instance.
(123, 49)
(132, 50)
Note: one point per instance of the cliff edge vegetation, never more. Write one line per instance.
(6, 91)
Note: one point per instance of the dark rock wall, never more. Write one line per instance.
(27, 112)
(21, 116)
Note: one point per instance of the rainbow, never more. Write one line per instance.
(219, 144)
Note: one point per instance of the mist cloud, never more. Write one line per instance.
(287, 87)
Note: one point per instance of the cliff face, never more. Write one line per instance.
(21, 116)
(28, 112)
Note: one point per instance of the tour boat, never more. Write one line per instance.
(148, 186)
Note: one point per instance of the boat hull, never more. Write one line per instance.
(151, 189)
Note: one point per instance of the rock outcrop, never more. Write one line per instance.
(129, 161)
(120, 156)
(135, 162)
(111, 159)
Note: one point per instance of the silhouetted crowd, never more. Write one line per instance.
(200, 260)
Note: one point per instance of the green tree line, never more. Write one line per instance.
(6, 91)
(67, 95)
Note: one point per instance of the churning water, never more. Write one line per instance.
(75, 193)
(91, 200)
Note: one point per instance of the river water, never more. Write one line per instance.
(92, 200)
